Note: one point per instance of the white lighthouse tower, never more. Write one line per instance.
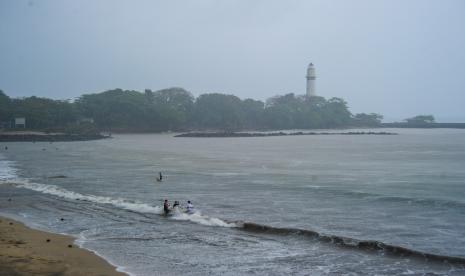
(311, 80)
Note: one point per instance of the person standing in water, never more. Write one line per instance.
(189, 207)
(166, 207)
(160, 176)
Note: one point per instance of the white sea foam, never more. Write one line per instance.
(197, 217)
(135, 206)
(81, 242)
(8, 176)
(63, 193)
(7, 169)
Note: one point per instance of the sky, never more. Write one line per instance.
(397, 58)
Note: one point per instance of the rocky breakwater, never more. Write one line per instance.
(47, 137)
(269, 134)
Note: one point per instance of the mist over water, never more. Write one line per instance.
(404, 190)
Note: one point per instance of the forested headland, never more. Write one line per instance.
(176, 109)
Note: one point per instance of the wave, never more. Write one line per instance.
(351, 243)
(7, 169)
(63, 193)
(81, 242)
(122, 203)
(197, 217)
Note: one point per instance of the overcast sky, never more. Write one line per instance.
(398, 58)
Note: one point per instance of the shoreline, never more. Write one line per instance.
(26, 251)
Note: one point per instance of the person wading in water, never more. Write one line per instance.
(166, 207)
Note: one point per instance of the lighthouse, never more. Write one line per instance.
(311, 80)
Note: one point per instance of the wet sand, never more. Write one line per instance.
(24, 251)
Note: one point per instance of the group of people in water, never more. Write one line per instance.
(189, 207)
(166, 207)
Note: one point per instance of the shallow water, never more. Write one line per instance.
(405, 190)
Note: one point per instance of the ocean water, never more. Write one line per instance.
(298, 205)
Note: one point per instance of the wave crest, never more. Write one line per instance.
(122, 203)
(351, 243)
(197, 217)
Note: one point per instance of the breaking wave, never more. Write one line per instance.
(122, 203)
(7, 170)
(63, 193)
(8, 176)
(355, 244)
(197, 217)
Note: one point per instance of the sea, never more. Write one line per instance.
(287, 205)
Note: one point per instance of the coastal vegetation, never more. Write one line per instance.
(176, 109)
(421, 120)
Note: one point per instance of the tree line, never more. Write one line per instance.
(176, 109)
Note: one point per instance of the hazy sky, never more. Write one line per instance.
(398, 58)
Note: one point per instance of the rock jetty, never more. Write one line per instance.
(44, 137)
(268, 134)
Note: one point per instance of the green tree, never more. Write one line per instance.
(280, 111)
(42, 113)
(336, 113)
(367, 120)
(115, 109)
(5, 105)
(218, 111)
(253, 112)
(175, 107)
(421, 120)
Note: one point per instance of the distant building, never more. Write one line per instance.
(311, 80)
(20, 122)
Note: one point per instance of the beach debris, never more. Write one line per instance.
(48, 240)
(70, 245)
(11, 223)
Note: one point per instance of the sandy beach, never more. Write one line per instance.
(24, 251)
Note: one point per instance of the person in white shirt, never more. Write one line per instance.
(189, 207)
